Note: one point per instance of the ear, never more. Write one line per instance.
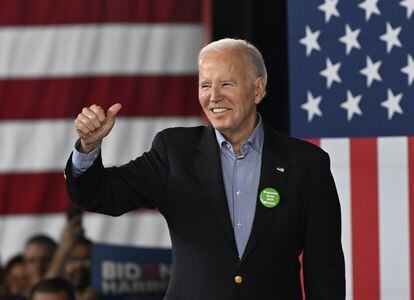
(259, 90)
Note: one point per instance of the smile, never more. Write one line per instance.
(219, 110)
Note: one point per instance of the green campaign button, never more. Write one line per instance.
(269, 197)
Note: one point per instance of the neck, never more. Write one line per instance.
(237, 138)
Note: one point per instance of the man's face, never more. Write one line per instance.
(227, 92)
(78, 266)
(37, 257)
(16, 280)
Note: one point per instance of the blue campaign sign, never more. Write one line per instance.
(120, 272)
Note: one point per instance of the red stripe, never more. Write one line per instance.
(47, 12)
(207, 20)
(316, 142)
(301, 276)
(411, 195)
(36, 193)
(64, 98)
(364, 207)
(32, 193)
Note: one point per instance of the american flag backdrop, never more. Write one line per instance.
(351, 69)
(57, 56)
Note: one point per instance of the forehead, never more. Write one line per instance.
(49, 296)
(36, 248)
(226, 61)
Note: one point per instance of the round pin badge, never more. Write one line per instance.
(269, 197)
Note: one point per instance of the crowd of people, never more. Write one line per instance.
(46, 267)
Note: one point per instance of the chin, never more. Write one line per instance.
(219, 125)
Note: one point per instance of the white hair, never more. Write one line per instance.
(255, 60)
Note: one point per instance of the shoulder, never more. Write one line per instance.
(297, 150)
(178, 138)
(177, 135)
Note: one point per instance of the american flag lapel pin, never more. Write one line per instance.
(280, 169)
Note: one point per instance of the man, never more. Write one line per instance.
(241, 200)
(15, 278)
(53, 289)
(72, 259)
(38, 255)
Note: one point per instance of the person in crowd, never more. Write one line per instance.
(53, 289)
(78, 266)
(38, 254)
(72, 259)
(15, 278)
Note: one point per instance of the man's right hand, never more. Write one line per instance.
(92, 125)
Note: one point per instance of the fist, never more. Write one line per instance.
(92, 125)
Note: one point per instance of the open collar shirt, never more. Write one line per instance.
(241, 175)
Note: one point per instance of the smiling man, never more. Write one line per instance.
(241, 201)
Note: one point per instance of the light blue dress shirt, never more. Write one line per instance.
(241, 176)
(80, 161)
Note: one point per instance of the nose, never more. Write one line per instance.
(215, 95)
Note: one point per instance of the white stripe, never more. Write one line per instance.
(42, 146)
(393, 218)
(146, 229)
(339, 152)
(52, 51)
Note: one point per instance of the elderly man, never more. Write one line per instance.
(241, 200)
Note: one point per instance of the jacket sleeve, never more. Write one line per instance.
(117, 190)
(324, 267)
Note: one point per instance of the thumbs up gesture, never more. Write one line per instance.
(92, 125)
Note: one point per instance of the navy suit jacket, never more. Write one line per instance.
(181, 176)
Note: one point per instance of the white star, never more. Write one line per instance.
(392, 104)
(350, 39)
(371, 71)
(352, 105)
(409, 69)
(409, 5)
(329, 8)
(331, 73)
(312, 106)
(370, 7)
(310, 40)
(391, 37)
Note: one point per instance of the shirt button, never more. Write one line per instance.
(238, 162)
(238, 193)
(239, 224)
(238, 279)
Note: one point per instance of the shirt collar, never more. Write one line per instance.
(255, 139)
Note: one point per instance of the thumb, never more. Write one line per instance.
(113, 111)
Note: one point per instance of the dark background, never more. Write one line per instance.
(264, 24)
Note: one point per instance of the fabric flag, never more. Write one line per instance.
(58, 56)
(352, 93)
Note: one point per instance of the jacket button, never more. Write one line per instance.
(238, 279)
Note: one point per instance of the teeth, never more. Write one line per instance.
(219, 110)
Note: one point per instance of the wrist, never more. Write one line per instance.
(87, 148)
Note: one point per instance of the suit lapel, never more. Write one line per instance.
(207, 166)
(272, 175)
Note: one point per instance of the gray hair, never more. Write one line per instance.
(255, 60)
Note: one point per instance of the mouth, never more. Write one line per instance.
(219, 110)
